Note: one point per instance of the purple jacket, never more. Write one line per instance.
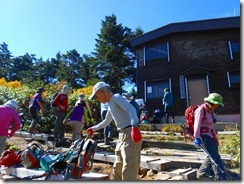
(33, 102)
(77, 113)
(8, 117)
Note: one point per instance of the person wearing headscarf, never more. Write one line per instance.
(75, 118)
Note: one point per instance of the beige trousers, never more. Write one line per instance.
(128, 157)
(77, 127)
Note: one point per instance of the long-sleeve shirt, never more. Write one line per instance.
(204, 117)
(8, 118)
(119, 110)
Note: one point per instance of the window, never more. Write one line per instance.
(233, 79)
(155, 89)
(157, 52)
(234, 48)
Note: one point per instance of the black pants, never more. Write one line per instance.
(34, 116)
(169, 112)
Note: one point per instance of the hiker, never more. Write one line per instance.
(36, 106)
(108, 130)
(61, 103)
(128, 148)
(9, 122)
(87, 109)
(205, 134)
(132, 101)
(167, 102)
(141, 104)
(75, 118)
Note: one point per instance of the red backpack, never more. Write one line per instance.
(10, 158)
(189, 115)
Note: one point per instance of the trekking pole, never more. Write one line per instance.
(33, 177)
(185, 129)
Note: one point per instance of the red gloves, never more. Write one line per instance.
(89, 131)
(136, 134)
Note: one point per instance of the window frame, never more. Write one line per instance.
(157, 59)
(230, 44)
(230, 83)
(158, 82)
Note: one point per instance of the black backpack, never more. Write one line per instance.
(53, 107)
(52, 100)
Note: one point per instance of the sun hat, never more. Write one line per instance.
(128, 94)
(98, 86)
(12, 103)
(81, 96)
(40, 89)
(214, 98)
(65, 89)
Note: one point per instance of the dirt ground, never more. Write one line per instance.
(98, 167)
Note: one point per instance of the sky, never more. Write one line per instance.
(46, 27)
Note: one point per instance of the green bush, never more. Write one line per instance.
(172, 128)
(230, 144)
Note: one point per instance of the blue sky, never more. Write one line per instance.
(45, 27)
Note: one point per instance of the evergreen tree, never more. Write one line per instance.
(22, 69)
(5, 61)
(114, 63)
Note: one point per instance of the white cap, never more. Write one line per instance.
(12, 103)
(65, 89)
(98, 86)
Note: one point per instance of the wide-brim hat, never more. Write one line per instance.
(214, 98)
(40, 89)
(98, 86)
(81, 96)
(128, 94)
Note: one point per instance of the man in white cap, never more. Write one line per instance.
(9, 117)
(128, 148)
(62, 107)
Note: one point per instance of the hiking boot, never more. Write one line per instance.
(204, 177)
(106, 141)
(110, 139)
